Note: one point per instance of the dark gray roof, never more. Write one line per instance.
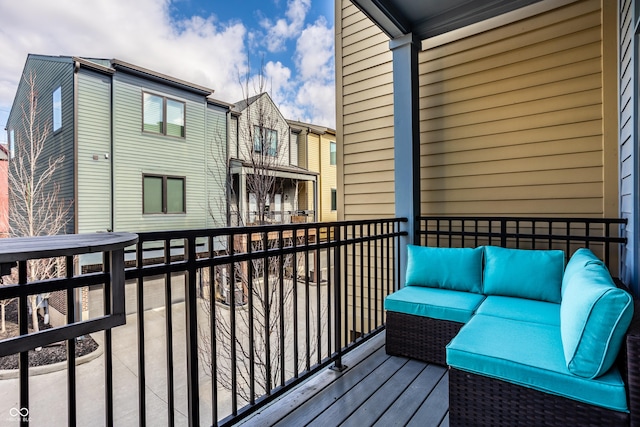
(243, 104)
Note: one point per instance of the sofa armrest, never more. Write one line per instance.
(629, 360)
(630, 367)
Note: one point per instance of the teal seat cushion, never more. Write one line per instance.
(527, 310)
(442, 304)
(594, 316)
(531, 274)
(578, 260)
(529, 355)
(458, 269)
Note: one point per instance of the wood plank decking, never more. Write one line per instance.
(375, 390)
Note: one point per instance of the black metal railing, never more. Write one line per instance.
(221, 321)
(602, 235)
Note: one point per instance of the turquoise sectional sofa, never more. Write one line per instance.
(522, 320)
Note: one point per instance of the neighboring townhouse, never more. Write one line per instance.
(140, 148)
(317, 152)
(533, 112)
(267, 183)
(4, 191)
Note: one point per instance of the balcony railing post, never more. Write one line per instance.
(338, 366)
(191, 312)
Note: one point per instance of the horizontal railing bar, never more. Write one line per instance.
(61, 333)
(254, 229)
(52, 285)
(600, 239)
(526, 219)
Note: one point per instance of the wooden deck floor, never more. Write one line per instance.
(375, 390)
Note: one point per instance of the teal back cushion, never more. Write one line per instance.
(594, 316)
(578, 260)
(458, 269)
(531, 274)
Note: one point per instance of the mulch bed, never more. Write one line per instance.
(46, 355)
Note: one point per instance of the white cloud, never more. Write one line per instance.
(314, 51)
(314, 60)
(281, 30)
(199, 50)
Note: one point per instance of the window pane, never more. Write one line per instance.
(152, 113)
(257, 139)
(332, 153)
(175, 195)
(334, 199)
(152, 193)
(57, 108)
(12, 143)
(175, 118)
(272, 136)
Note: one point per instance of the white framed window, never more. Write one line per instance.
(57, 108)
(265, 140)
(332, 153)
(12, 144)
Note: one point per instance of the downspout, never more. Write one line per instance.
(77, 297)
(112, 202)
(76, 69)
(228, 180)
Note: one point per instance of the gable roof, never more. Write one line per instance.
(4, 152)
(242, 105)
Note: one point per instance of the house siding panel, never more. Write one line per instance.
(627, 139)
(52, 72)
(511, 119)
(182, 157)
(216, 166)
(94, 152)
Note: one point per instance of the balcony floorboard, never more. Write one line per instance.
(375, 389)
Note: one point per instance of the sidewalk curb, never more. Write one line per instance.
(6, 374)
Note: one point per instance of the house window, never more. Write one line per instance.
(265, 141)
(57, 108)
(163, 194)
(334, 199)
(164, 116)
(332, 153)
(12, 143)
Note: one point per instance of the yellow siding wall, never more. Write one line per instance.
(511, 119)
(317, 159)
(365, 117)
(327, 178)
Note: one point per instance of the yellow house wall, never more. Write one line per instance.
(516, 119)
(513, 120)
(328, 178)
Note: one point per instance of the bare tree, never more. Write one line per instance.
(35, 207)
(255, 336)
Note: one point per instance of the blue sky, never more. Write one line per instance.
(207, 42)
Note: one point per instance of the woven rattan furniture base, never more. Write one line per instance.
(418, 337)
(476, 400)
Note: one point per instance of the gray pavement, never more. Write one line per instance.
(48, 392)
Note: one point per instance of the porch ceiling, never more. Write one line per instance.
(428, 18)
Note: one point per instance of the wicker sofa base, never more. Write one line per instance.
(482, 401)
(418, 337)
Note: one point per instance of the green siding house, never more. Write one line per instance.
(142, 151)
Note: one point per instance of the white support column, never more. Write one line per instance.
(406, 138)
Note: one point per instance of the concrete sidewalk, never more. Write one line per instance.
(48, 392)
